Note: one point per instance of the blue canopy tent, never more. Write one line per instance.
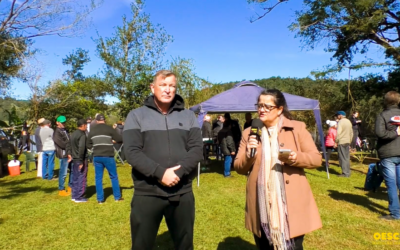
(242, 97)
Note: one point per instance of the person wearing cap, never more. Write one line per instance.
(39, 147)
(388, 147)
(100, 140)
(46, 136)
(63, 153)
(342, 142)
(330, 139)
(163, 144)
(79, 162)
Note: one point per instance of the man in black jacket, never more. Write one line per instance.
(162, 142)
(356, 129)
(100, 140)
(79, 162)
(63, 153)
(388, 146)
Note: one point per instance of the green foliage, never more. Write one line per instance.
(77, 59)
(75, 100)
(350, 27)
(12, 50)
(131, 56)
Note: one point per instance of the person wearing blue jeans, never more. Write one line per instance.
(227, 146)
(63, 153)
(48, 148)
(391, 175)
(48, 165)
(388, 147)
(64, 166)
(108, 163)
(101, 140)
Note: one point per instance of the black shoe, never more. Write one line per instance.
(387, 217)
(100, 202)
(120, 199)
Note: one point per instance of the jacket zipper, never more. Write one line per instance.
(169, 143)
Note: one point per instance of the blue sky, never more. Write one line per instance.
(216, 34)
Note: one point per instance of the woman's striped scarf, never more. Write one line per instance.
(271, 192)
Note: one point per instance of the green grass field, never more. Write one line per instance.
(33, 216)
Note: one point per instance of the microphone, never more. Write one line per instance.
(256, 126)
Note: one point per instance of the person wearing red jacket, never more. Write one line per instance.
(330, 138)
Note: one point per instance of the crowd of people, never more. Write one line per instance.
(92, 139)
(163, 143)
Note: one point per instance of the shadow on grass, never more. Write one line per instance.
(1, 220)
(331, 170)
(213, 166)
(91, 191)
(18, 191)
(357, 200)
(4, 183)
(379, 194)
(164, 242)
(232, 243)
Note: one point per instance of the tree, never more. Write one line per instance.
(131, 56)
(77, 59)
(21, 21)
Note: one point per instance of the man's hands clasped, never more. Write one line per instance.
(170, 179)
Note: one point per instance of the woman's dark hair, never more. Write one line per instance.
(279, 101)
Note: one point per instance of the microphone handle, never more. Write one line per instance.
(253, 152)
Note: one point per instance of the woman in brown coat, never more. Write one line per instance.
(280, 207)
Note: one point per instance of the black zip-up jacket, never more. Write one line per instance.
(61, 141)
(78, 145)
(100, 139)
(154, 142)
(388, 144)
(227, 143)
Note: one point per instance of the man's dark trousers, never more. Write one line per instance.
(79, 179)
(344, 158)
(147, 213)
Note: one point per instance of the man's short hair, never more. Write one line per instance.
(81, 122)
(46, 122)
(391, 98)
(100, 117)
(164, 73)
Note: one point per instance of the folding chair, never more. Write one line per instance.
(117, 153)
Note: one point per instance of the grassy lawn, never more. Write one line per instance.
(33, 216)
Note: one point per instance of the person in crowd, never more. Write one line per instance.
(88, 122)
(248, 119)
(79, 162)
(217, 126)
(388, 147)
(206, 132)
(163, 143)
(342, 142)
(25, 138)
(236, 132)
(227, 145)
(280, 207)
(100, 140)
(39, 147)
(330, 139)
(356, 129)
(120, 128)
(63, 153)
(46, 137)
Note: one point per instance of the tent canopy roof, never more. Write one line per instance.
(242, 98)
